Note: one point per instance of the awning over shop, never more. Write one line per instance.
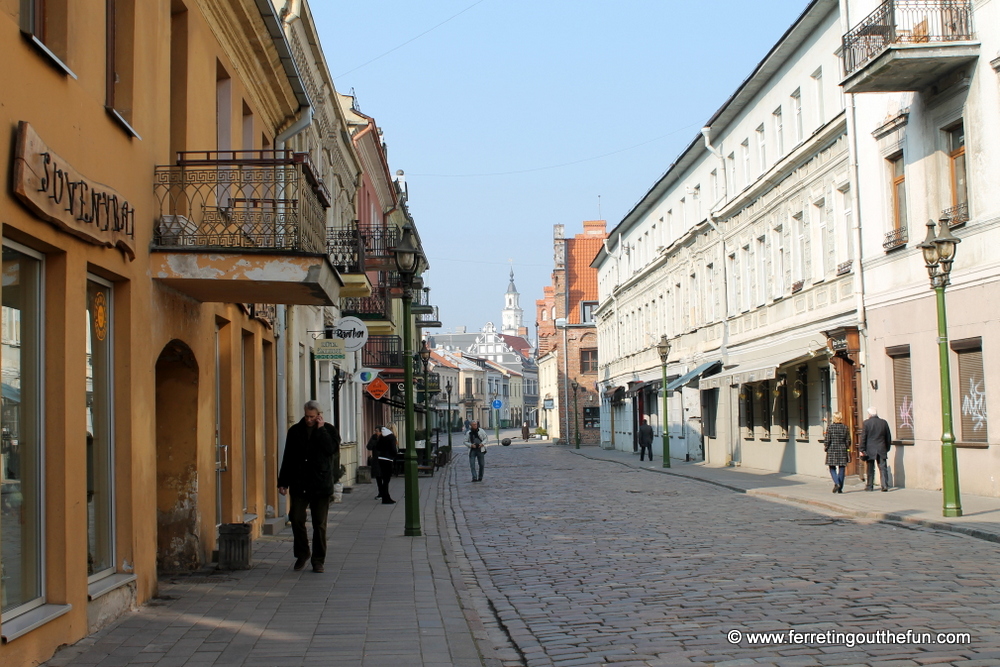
(706, 368)
(755, 371)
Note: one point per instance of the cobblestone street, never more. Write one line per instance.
(595, 562)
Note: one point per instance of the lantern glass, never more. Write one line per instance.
(406, 252)
(929, 247)
(663, 348)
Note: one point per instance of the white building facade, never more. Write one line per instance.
(743, 256)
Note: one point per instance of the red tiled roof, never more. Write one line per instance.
(581, 277)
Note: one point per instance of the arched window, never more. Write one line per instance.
(545, 315)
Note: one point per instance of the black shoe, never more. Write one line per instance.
(378, 497)
(840, 489)
(479, 479)
(885, 490)
(868, 488)
(300, 563)
(836, 488)
(318, 567)
(388, 502)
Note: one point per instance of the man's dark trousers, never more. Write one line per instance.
(643, 448)
(318, 506)
(883, 472)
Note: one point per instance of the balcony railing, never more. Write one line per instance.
(900, 22)
(346, 250)
(429, 320)
(383, 352)
(845, 267)
(378, 306)
(378, 246)
(956, 215)
(896, 238)
(240, 200)
(468, 399)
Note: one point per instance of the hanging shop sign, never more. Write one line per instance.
(353, 332)
(329, 349)
(377, 388)
(58, 193)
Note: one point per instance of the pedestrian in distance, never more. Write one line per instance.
(525, 433)
(467, 425)
(645, 439)
(309, 468)
(838, 450)
(386, 449)
(373, 464)
(875, 443)
(475, 440)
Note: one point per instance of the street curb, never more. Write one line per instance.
(886, 517)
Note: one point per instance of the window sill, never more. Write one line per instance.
(120, 120)
(108, 584)
(973, 445)
(51, 57)
(28, 621)
(902, 443)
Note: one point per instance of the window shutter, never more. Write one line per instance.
(806, 249)
(973, 391)
(786, 244)
(903, 396)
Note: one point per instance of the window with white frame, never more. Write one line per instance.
(779, 132)
(762, 279)
(746, 280)
(817, 79)
(780, 262)
(956, 160)
(796, 104)
(897, 172)
(761, 149)
(745, 159)
(731, 188)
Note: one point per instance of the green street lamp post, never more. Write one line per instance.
(576, 414)
(425, 361)
(939, 253)
(407, 259)
(663, 348)
(447, 388)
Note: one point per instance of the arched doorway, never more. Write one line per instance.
(177, 541)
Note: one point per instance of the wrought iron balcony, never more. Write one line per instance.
(429, 320)
(346, 250)
(956, 215)
(896, 238)
(468, 399)
(378, 306)
(378, 247)
(907, 45)
(383, 352)
(243, 226)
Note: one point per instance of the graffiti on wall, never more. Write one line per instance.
(974, 404)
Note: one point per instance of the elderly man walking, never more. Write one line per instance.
(309, 467)
(875, 442)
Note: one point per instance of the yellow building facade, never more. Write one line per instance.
(149, 210)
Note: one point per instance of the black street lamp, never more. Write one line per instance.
(407, 258)
(447, 388)
(425, 361)
(576, 413)
(663, 349)
(939, 254)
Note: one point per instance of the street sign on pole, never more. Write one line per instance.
(497, 404)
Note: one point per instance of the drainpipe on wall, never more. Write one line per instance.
(724, 348)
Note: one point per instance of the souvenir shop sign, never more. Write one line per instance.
(58, 193)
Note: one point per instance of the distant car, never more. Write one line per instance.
(505, 442)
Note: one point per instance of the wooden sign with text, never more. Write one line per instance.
(56, 192)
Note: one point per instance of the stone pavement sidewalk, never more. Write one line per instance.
(981, 515)
(384, 600)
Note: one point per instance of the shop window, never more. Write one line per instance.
(592, 418)
(21, 451)
(779, 396)
(825, 396)
(588, 361)
(972, 389)
(746, 411)
(762, 397)
(902, 388)
(100, 441)
(119, 67)
(801, 395)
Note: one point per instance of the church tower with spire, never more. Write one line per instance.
(512, 313)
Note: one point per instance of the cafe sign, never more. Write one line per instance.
(58, 193)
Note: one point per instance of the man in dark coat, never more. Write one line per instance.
(645, 440)
(875, 442)
(309, 467)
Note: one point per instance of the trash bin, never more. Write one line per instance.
(234, 546)
(364, 475)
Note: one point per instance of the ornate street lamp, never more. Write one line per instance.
(425, 361)
(663, 348)
(407, 260)
(576, 413)
(939, 254)
(447, 388)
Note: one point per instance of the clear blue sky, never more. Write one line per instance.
(515, 115)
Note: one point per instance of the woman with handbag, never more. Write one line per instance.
(838, 450)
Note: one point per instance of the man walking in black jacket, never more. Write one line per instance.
(875, 442)
(308, 470)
